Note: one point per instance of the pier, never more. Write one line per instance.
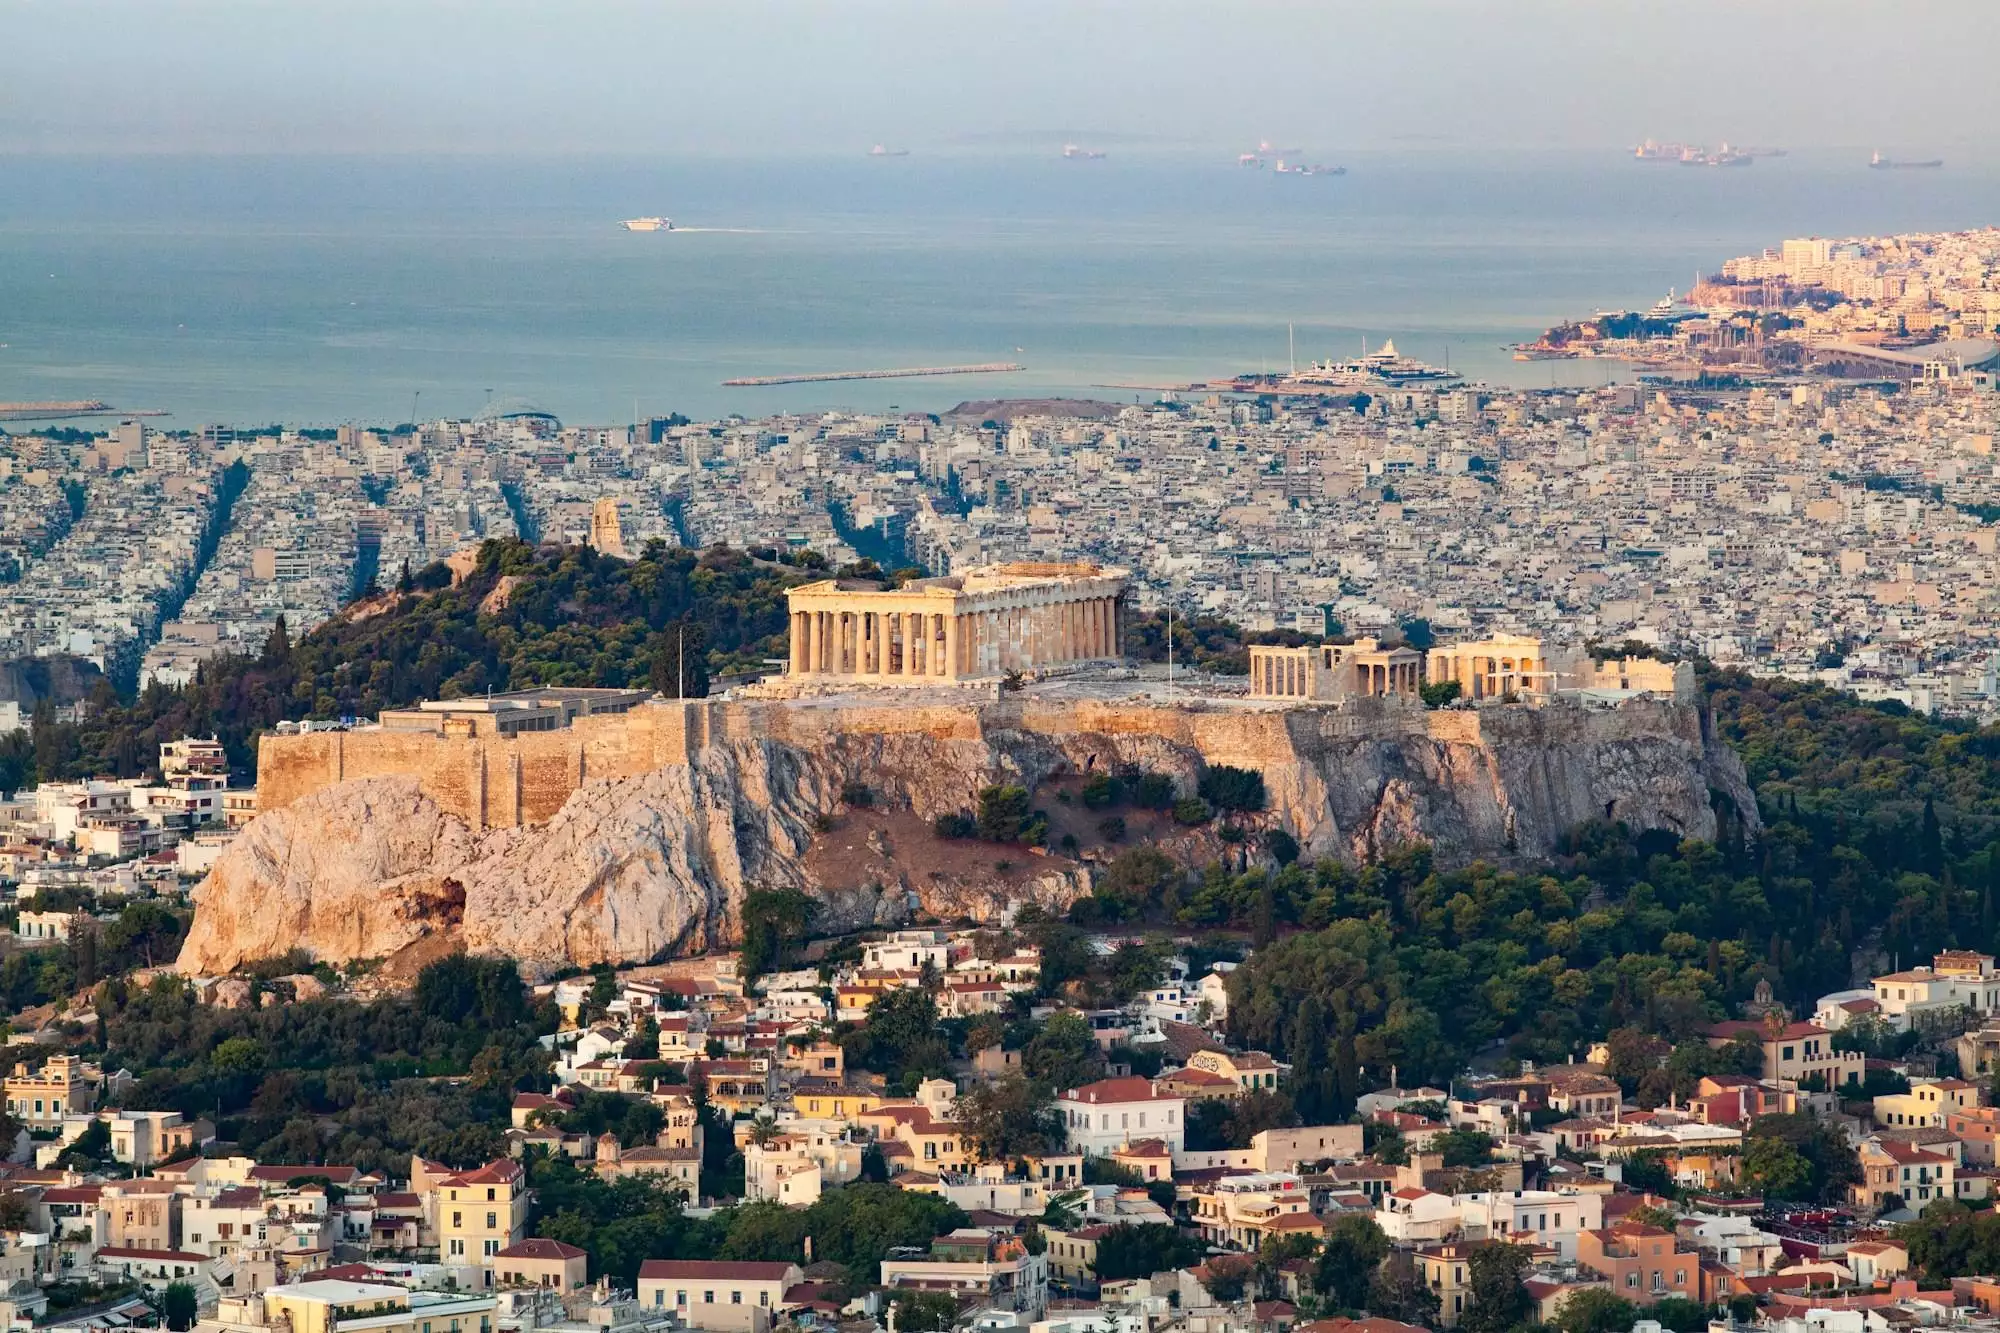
(826, 377)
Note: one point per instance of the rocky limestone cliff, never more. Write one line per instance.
(640, 866)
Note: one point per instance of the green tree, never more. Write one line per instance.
(1063, 1053)
(1595, 1310)
(1355, 1248)
(1003, 813)
(1496, 1302)
(1131, 1250)
(920, 1311)
(773, 921)
(1010, 1118)
(179, 1306)
(1776, 1169)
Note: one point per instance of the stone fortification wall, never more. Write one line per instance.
(635, 837)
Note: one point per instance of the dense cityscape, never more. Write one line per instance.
(1350, 848)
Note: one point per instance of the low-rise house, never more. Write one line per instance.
(1894, 1173)
(719, 1295)
(1446, 1270)
(153, 1268)
(1072, 1256)
(538, 1262)
(325, 1304)
(1244, 1211)
(970, 1263)
(1104, 1116)
(480, 1213)
(1251, 1071)
(1530, 1217)
(40, 1098)
(1927, 1103)
(1976, 1128)
(1641, 1263)
(1795, 1052)
(1873, 1261)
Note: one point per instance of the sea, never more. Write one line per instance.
(314, 290)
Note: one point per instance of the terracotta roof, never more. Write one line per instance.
(1118, 1090)
(537, 1247)
(284, 1175)
(714, 1268)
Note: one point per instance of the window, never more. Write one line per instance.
(491, 1221)
(736, 1298)
(458, 1219)
(708, 1298)
(489, 1199)
(763, 1298)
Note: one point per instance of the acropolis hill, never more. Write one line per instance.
(634, 836)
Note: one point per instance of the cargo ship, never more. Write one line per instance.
(882, 150)
(648, 224)
(1881, 163)
(1308, 169)
(1081, 153)
(1654, 151)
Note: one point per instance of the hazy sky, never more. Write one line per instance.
(791, 75)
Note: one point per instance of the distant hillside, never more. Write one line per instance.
(522, 616)
(61, 680)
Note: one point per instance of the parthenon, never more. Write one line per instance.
(979, 624)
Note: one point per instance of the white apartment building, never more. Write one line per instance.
(1104, 1116)
(1955, 979)
(1536, 1217)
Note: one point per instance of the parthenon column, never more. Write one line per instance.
(798, 643)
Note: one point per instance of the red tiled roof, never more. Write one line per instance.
(537, 1247)
(714, 1268)
(1118, 1090)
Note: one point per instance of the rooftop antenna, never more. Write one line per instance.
(1292, 346)
(1170, 643)
(415, 397)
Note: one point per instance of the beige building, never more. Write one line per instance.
(537, 1262)
(717, 1295)
(1334, 671)
(321, 1306)
(1516, 664)
(40, 1098)
(481, 1213)
(976, 625)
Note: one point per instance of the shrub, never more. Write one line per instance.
(955, 826)
(1284, 848)
(857, 794)
(1231, 833)
(1192, 810)
(1153, 791)
(1112, 829)
(1069, 842)
(823, 823)
(1102, 790)
(1229, 788)
(1003, 810)
(1439, 693)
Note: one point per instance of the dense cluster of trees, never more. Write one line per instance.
(1880, 835)
(624, 1222)
(331, 1081)
(561, 616)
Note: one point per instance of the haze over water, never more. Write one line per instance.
(315, 289)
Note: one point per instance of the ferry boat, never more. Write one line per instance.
(1308, 169)
(1081, 153)
(648, 224)
(1384, 367)
(883, 150)
(1250, 160)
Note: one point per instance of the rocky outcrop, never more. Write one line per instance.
(642, 865)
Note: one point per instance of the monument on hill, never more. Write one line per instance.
(979, 624)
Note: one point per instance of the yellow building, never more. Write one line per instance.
(40, 1098)
(481, 1213)
(1925, 1105)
